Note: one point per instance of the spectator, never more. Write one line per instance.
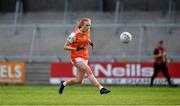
(160, 63)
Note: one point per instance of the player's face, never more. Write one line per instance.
(86, 26)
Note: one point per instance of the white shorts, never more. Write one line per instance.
(79, 59)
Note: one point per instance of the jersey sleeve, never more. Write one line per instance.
(71, 38)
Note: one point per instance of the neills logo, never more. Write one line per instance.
(126, 70)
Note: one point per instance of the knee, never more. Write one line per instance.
(89, 73)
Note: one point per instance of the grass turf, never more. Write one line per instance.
(89, 95)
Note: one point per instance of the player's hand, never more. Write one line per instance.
(79, 48)
(164, 54)
(160, 55)
(92, 44)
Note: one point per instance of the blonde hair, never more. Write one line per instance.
(81, 22)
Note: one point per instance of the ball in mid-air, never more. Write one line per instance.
(125, 37)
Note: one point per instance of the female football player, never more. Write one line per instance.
(77, 43)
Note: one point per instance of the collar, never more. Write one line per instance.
(78, 31)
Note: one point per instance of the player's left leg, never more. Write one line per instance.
(90, 75)
(166, 74)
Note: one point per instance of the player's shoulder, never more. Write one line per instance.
(75, 33)
(156, 48)
(71, 37)
(72, 34)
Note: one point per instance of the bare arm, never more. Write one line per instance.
(158, 55)
(68, 47)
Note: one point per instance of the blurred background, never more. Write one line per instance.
(34, 32)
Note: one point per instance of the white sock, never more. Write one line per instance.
(101, 87)
(64, 83)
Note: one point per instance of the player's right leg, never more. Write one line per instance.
(156, 71)
(77, 80)
(61, 89)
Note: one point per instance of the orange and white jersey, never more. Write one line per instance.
(77, 39)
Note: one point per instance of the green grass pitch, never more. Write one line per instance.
(89, 95)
